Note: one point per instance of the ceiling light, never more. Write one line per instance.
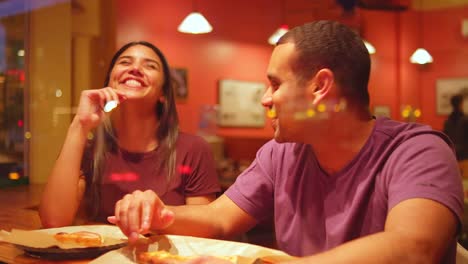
(421, 56)
(273, 39)
(370, 48)
(20, 53)
(195, 23)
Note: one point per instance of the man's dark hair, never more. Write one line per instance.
(332, 45)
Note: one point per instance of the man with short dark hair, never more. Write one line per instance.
(340, 185)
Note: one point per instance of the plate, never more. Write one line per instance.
(41, 244)
(56, 253)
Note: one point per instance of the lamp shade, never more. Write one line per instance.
(421, 56)
(195, 23)
(278, 34)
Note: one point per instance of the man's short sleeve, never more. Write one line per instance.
(253, 190)
(424, 167)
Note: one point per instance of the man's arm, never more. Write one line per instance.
(416, 231)
(220, 219)
(141, 212)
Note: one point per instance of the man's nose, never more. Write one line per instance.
(267, 101)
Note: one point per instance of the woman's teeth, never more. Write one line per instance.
(133, 83)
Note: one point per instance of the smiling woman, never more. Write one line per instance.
(135, 148)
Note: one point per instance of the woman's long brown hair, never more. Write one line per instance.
(166, 134)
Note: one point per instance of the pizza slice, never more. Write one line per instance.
(82, 238)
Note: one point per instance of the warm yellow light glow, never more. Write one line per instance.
(310, 113)
(13, 176)
(27, 135)
(321, 108)
(417, 113)
(406, 112)
(271, 113)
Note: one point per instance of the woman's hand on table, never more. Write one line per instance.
(139, 211)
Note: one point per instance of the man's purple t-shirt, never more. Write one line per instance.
(314, 212)
(125, 172)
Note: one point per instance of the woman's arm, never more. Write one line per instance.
(63, 191)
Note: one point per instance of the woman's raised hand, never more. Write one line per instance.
(90, 110)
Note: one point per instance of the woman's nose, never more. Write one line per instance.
(136, 69)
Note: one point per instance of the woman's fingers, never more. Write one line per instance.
(113, 98)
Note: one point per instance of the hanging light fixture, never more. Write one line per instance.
(370, 48)
(273, 39)
(195, 23)
(421, 55)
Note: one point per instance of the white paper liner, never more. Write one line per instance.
(44, 238)
(193, 246)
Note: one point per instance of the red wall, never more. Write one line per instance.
(394, 80)
(237, 49)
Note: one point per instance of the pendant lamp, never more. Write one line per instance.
(421, 55)
(370, 48)
(273, 39)
(195, 23)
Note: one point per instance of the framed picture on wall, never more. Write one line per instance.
(381, 111)
(445, 89)
(179, 83)
(240, 104)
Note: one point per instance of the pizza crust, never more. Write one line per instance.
(82, 238)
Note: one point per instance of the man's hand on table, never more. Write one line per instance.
(139, 211)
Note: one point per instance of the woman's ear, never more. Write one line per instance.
(322, 84)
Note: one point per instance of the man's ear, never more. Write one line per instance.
(323, 83)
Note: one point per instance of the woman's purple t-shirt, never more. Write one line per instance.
(314, 211)
(125, 172)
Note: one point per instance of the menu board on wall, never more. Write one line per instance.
(240, 104)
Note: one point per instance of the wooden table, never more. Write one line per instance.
(18, 209)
